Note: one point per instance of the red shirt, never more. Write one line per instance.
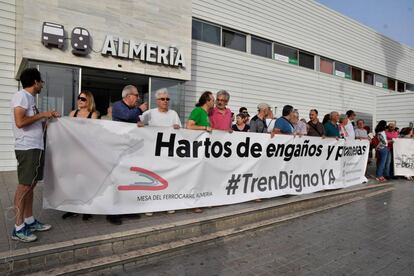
(220, 120)
(390, 136)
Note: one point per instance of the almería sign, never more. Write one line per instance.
(147, 52)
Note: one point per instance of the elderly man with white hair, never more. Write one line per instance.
(127, 109)
(220, 116)
(161, 116)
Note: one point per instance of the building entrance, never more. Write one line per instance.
(106, 86)
(63, 83)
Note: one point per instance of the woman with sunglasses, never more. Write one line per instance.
(86, 109)
(86, 106)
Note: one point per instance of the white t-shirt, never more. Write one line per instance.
(154, 117)
(350, 130)
(270, 124)
(31, 136)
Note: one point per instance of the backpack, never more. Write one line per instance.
(375, 141)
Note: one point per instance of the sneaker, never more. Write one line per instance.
(171, 211)
(148, 214)
(23, 235)
(38, 226)
(114, 219)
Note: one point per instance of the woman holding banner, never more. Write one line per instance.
(86, 109)
(86, 106)
(383, 152)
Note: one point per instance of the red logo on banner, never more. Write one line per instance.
(153, 182)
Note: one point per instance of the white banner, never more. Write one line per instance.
(105, 167)
(404, 156)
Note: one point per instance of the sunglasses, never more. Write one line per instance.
(164, 99)
(82, 99)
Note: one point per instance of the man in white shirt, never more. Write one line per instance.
(27, 124)
(360, 131)
(349, 126)
(161, 116)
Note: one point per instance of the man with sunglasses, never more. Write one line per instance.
(161, 116)
(127, 109)
(28, 130)
(220, 116)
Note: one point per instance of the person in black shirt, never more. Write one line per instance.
(240, 124)
(315, 128)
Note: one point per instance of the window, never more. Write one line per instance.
(409, 87)
(400, 87)
(286, 54)
(233, 40)
(205, 32)
(197, 29)
(368, 78)
(391, 84)
(261, 47)
(326, 66)
(381, 81)
(356, 74)
(306, 60)
(342, 70)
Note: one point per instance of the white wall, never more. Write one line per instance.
(397, 107)
(251, 80)
(310, 26)
(306, 25)
(162, 22)
(8, 85)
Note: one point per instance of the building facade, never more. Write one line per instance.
(277, 52)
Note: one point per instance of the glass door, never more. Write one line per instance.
(60, 89)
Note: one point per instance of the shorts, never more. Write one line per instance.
(30, 164)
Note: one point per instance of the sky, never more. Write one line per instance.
(392, 18)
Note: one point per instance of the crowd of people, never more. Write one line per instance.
(210, 113)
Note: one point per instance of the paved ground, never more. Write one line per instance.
(363, 238)
(370, 237)
(75, 228)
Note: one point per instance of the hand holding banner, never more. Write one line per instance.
(104, 167)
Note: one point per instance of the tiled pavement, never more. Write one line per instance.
(370, 237)
(75, 228)
(374, 235)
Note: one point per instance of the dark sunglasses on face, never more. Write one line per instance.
(82, 99)
(164, 99)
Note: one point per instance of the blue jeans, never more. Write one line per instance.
(383, 166)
